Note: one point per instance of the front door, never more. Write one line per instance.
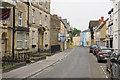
(4, 44)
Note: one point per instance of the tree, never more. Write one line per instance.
(75, 31)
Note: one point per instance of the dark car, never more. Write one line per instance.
(115, 68)
(112, 55)
(97, 49)
(103, 54)
(92, 48)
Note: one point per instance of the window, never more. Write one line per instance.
(40, 2)
(45, 20)
(45, 3)
(19, 40)
(33, 19)
(40, 18)
(26, 41)
(4, 22)
(45, 37)
(20, 19)
(33, 33)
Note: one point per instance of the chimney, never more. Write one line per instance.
(99, 21)
(102, 19)
(55, 15)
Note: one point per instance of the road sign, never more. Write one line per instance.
(5, 14)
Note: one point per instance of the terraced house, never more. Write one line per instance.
(100, 33)
(28, 30)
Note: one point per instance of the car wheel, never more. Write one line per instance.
(98, 60)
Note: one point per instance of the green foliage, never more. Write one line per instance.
(75, 31)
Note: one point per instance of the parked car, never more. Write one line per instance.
(103, 54)
(92, 48)
(112, 55)
(97, 49)
(115, 68)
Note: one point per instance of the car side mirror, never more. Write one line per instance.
(112, 60)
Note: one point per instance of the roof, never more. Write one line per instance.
(88, 30)
(100, 27)
(93, 23)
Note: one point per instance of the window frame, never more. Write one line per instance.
(20, 40)
(45, 20)
(33, 33)
(33, 18)
(20, 19)
(26, 41)
(40, 21)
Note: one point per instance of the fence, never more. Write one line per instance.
(20, 57)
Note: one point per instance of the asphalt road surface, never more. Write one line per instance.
(79, 64)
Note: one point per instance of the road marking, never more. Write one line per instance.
(106, 77)
(104, 71)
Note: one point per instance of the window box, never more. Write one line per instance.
(33, 46)
(46, 45)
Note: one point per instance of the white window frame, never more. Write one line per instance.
(26, 41)
(46, 20)
(40, 2)
(20, 40)
(33, 19)
(33, 33)
(45, 37)
(4, 22)
(20, 19)
(40, 18)
(45, 3)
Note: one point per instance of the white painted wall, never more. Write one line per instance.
(116, 24)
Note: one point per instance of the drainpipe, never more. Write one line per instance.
(13, 40)
(28, 15)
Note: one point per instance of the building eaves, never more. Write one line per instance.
(100, 27)
(93, 23)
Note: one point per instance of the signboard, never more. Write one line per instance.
(61, 37)
(5, 14)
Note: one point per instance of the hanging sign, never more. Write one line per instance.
(5, 14)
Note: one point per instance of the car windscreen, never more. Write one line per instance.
(106, 50)
(103, 47)
(94, 46)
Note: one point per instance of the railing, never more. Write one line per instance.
(20, 57)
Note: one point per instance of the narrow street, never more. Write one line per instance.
(79, 64)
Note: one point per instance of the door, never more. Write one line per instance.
(4, 44)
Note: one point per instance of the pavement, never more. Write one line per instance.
(35, 68)
(79, 64)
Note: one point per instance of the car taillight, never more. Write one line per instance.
(98, 49)
(100, 53)
(95, 49)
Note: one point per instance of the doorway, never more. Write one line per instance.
(4, 44)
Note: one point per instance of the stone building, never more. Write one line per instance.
(39, 24)
(109, 30)
(28, 31)
(54, 32)
(116, 24)
(92, 25)
(100, 33)
(63, 31)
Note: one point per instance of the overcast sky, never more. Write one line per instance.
(79, 12)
